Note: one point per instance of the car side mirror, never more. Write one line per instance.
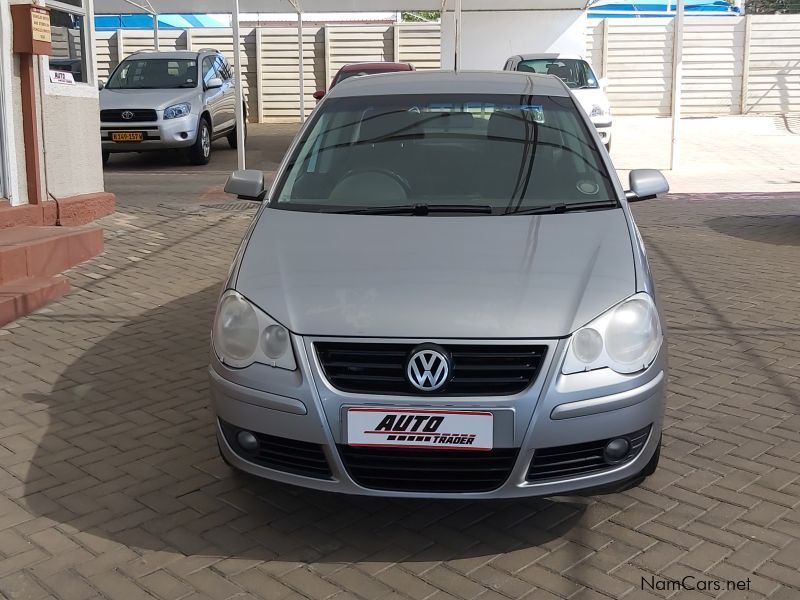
(319, 94)
(646, 184)
(603, 82)
(100, 84)
(247, 184)
(214, 83)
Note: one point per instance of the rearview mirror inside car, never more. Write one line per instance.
(319, 94)
(213, 83)
(247, 184)
(646, 184)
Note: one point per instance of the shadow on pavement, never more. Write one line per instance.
(129, 456)
(779, 230)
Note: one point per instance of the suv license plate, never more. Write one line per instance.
(433, 429)
(127, 136)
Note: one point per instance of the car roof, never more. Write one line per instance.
(447, 82)
(170, 54)
(376, 66)
(550, 55)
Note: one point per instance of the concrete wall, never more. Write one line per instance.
(73, 160)
(488, 38)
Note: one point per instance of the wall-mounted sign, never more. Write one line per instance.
(64, 77)
(31, 29)
(40, 24)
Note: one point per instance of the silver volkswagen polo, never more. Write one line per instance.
(443, 295)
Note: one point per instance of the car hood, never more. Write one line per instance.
(155, 99)
(591, 97)
(437, 277)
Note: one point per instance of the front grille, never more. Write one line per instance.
(581, 459)
(436, 471)
(477, 369)
(140, 115)
(281, 454)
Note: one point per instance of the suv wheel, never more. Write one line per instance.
(233, 140)
(200, 152)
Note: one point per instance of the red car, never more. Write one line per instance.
(356, 69)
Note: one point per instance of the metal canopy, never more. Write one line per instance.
(118, 7)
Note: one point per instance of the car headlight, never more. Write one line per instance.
(625, 338)
(177, 110)
(243, 335)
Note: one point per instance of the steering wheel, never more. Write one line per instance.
(369, 182)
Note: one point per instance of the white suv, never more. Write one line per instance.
(158, 100)
(579, 76)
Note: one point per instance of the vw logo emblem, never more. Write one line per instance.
(127, 115)
(428, 369)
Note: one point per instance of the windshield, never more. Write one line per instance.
(154, 73)
(577, 74)
(490, 154)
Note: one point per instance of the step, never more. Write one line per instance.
(33, 252)
(24, 296)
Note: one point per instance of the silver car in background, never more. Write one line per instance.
(444, 294)
(169, 100)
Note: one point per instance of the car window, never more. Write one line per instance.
(219, 65)
(577, 74)
(209, 69)
(154, 73)
(507, 152)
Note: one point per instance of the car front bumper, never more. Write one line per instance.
(555, 411)
(158, 135)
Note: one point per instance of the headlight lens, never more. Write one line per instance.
(626, 338)
(177, 110)
(243, 335)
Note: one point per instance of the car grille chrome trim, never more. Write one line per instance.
(434, 471)
(478, 369)
(575, 460)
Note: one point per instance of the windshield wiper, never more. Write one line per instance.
(419, 210)
(563, 207)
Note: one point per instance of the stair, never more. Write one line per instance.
(31, 259)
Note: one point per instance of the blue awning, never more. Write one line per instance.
(611, 9)
(139, 21)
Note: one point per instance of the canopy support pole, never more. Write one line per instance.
(237, 66)
(677, 76)
(155, 32)
(457, 15)
(302, 69)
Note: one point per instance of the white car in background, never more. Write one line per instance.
(580, 78)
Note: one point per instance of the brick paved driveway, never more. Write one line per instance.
(111, 487)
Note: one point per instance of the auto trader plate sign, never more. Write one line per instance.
(432, 429)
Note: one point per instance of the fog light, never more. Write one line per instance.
(247, 441)
(184, 135)
(617, 449)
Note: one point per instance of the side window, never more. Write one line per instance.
(229, 69)
(219, 65)
(209, 69)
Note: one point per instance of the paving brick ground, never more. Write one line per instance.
(111, 487)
